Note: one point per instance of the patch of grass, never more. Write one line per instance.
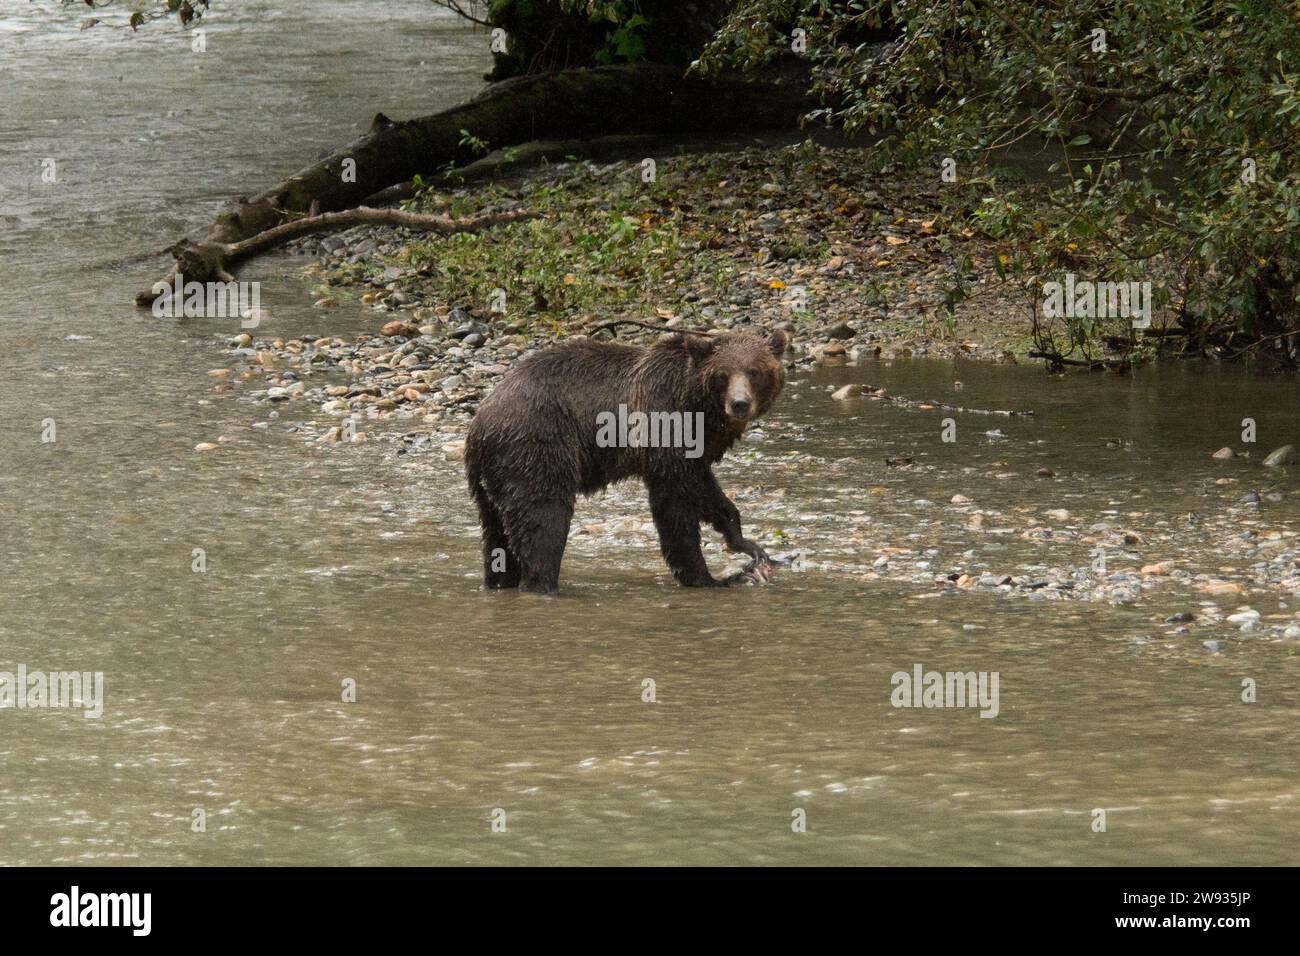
(621, 250)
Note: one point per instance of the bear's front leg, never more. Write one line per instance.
(725, 518)
(677, 519)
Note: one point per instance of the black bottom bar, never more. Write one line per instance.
(925, 905)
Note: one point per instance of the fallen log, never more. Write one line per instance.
(571, 104)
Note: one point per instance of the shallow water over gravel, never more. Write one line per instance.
(328, 562)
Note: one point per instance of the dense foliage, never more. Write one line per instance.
(547, 35)
(1172, 130)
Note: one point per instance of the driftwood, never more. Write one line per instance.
(211, 261)
(639, 98)
(1056, 360)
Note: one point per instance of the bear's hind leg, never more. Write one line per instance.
(538, 536)
(500, 566)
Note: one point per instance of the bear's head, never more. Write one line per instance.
(741, 372)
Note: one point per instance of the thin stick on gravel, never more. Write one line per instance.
(611, 323)
(878, 394)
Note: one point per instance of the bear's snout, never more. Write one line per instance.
(740, 398)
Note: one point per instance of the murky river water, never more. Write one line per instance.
(223, 689)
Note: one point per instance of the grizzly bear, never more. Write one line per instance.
(576, 417)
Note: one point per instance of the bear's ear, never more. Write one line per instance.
(777, 342)
(700, 347)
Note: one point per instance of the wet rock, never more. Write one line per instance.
(1222, 454)
(398, 327)
(1182, 617)
(1045, 473)
(1219, 587)
(470, 328)
(1212, 646)
(1281, 456)
(848, 391)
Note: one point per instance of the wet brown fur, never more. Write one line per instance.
(532, 448)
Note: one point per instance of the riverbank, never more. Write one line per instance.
(851, 264)
(744, 240)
